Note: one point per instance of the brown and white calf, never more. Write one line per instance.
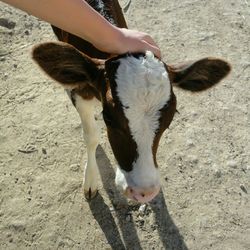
(137, 98)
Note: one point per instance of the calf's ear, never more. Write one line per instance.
(198, 75)
(67, 65)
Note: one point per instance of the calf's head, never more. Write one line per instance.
(138, 103)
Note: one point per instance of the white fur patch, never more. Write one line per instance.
(143, 88)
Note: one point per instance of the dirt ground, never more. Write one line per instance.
(203, 157)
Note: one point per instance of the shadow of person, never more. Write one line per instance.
(103, 215)
(168, 232)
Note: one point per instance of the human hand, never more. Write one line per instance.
(126, 40)
(137, 41)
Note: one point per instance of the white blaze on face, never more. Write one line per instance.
(143, 88)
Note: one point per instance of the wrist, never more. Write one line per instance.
(112, 41)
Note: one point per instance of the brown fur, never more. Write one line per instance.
(167, 115)
(198, 75)
(112, 10)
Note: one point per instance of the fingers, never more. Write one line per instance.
(147, 38)
(145, 42)
(131, 41)
(154, 48)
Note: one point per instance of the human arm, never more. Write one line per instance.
(78, 18)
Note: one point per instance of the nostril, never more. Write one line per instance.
(141, 194)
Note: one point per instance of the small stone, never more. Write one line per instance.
(44, 151)
(142, 209)
(242, 187)
(26, 32)
(18, 226)
(231, 164)
(111, 209)
(128, 218)
(203, 223)
(4, 22)
(206, 37)
(8, 235)
(245, 168)
(218, 173)
(141, 223)
(193, 159)
(75, 167)
(194, 113)
(190, 143)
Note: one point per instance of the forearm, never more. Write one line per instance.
(74, 16)
(78, 18)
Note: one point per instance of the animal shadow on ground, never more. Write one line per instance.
(168, 232)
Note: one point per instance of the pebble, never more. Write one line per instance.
(245, 168)
(190, 143)
(242, 187)
(4, 22)
(18, 226)
(207, 37)
(128, 218)
(203, 223)
(193, 159)
(75, 167)
(111, 209)
(8, 235)
(218, 173)
(142, 209)
(194, 113)
(231, 164)
(5, 76)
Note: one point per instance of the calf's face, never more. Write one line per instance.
(138, 103)
(141, 108)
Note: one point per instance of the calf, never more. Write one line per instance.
(137, 98)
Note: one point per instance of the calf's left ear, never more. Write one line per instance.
(65, 64)
(198, 75)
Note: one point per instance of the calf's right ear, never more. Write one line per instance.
(198, 75)
(67, 65)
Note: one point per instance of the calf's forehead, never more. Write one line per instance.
(142, 83)
(142, 87)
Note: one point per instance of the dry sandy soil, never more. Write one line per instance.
(203, 157)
